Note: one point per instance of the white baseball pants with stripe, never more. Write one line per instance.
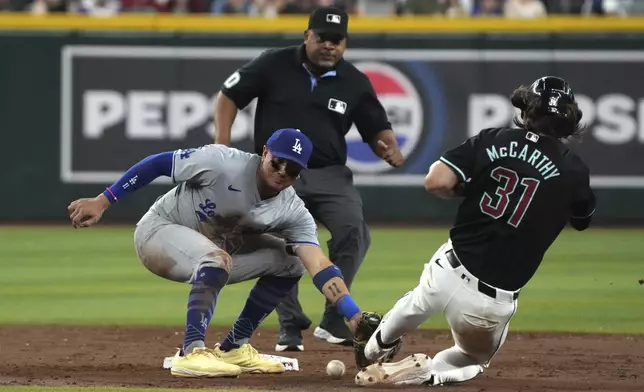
(479, 323)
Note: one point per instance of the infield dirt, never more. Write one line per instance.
(133, 356)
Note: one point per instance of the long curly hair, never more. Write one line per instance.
(535, 119)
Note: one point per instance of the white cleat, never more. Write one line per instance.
(416, 369)
(323, 334)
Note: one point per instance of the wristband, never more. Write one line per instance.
(325, 275)
(347, 307)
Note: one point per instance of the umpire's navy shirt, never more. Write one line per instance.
(323, 108)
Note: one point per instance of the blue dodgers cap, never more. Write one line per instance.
(291, 144)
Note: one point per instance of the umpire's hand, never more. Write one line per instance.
(391, 154)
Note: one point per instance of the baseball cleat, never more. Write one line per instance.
(201, 362)
(334, 330)
(375, 350)
(413, 370)
(323, 334)
(289, 340)
(248, 359)
(339, 335)
(289, 347)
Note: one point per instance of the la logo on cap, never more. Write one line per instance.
(297, 147)
(333, 18)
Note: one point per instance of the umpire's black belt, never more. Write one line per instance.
(483, 287)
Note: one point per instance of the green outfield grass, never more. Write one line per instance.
(588, 281)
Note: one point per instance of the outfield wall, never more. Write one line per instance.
(83, 99)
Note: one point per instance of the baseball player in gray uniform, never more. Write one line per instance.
(233, 216)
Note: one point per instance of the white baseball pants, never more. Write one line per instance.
(478, 322)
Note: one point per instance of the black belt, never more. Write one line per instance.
(483, 287)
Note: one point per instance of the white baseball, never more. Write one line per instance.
(335, 368)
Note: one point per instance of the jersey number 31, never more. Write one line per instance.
(508, 181)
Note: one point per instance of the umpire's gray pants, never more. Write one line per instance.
(177, 252)
(330, 196)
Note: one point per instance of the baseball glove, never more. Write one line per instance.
(369, 322)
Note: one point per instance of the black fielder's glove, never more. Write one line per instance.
(367, 325)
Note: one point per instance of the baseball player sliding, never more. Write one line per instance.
(520, 188)
(212, 229)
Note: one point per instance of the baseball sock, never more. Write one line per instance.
(267, 293)
(453, 365)
(201, 305)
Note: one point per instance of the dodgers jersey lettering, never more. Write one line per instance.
(521, 190)
(217, 196)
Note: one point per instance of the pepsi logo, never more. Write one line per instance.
(404, 108)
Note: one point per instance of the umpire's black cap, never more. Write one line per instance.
(329, 20)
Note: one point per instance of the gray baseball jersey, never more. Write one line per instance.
(217, 196)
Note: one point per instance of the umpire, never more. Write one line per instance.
(312, 88)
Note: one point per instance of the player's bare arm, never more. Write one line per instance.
(442, 182)
(87, 212)
(328, 279)
(225, 114)
(385, 146)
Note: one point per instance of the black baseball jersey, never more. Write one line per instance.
(521, 190)
(323, 107)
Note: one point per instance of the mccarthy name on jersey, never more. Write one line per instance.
(527, 152)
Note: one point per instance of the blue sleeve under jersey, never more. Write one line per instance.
(140, 175)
